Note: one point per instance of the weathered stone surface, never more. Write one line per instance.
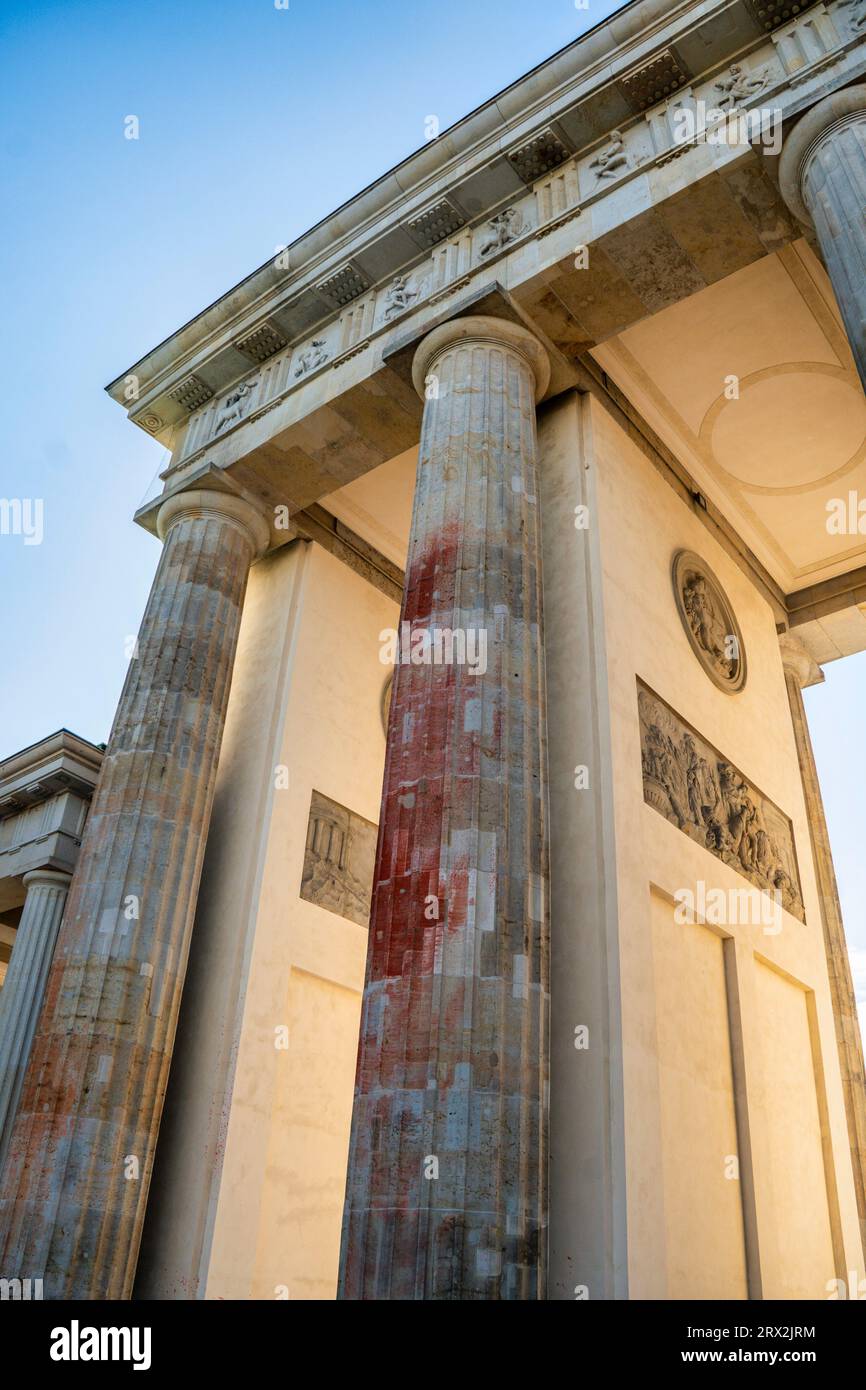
(21, 996)
(688, 781)
(822, 174)
(81, 1152)
(446, 1193)
(801, 670)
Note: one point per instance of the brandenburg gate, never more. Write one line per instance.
(455, 915)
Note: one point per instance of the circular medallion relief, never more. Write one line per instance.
(709, 621)
(150, 422)
(386, 702)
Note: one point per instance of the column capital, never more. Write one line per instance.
(51, 877)
(798, 662)
(487, 332)
(208, 504)
(833, 113)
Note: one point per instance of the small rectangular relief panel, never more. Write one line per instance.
(339, 860)
(692, 785)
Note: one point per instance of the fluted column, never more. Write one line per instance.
(446, 1193)
(79, 1160)
(801, 670)
(822, 175)
(24, 986)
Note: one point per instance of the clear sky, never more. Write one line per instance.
(254, 122)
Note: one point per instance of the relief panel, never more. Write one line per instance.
(338, 861)
(688, 781)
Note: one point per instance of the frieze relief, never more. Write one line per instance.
(235, 405)
(688, 782)
(339, 860)
(400, 295)
(612, 161)
(856, 11)
(313, 356)
(504, 228)
(458, 248)
(738, 87)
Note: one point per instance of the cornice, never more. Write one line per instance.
(474, 166)
(272, 343)
(60, 762)
(414, 173)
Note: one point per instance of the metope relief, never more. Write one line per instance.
(709, 621)
(316, 355)
(687, 781)
(856, 10)
(399, 296)
(235, 405)
(339, 860)
(502, 229)
(738, 87)
(613, 160)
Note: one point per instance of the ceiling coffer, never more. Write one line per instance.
(435, 223)
(769, 14)
(261, 342)
(343, 285)
(646, 86)
(536, 157)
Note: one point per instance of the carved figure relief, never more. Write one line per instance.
(316, 355)
(610, 162)
(399, 296)
(339, 860)
(688, 782)
(235, 405)
(709, 621)
(858, 12)
(738, 86)
(505, 227)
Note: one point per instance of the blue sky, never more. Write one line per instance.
(254, 123)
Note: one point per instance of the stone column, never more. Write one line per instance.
(81, 1152)
(24, 986)
(446, 1192)
(822, 175)
(801, 670)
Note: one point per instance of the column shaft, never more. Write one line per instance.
(822, 175)
(834, 186)
(446, 1193)
(81, 1152)
(843, 998)
(24, 986)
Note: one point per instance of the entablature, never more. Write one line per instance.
(584, 145)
